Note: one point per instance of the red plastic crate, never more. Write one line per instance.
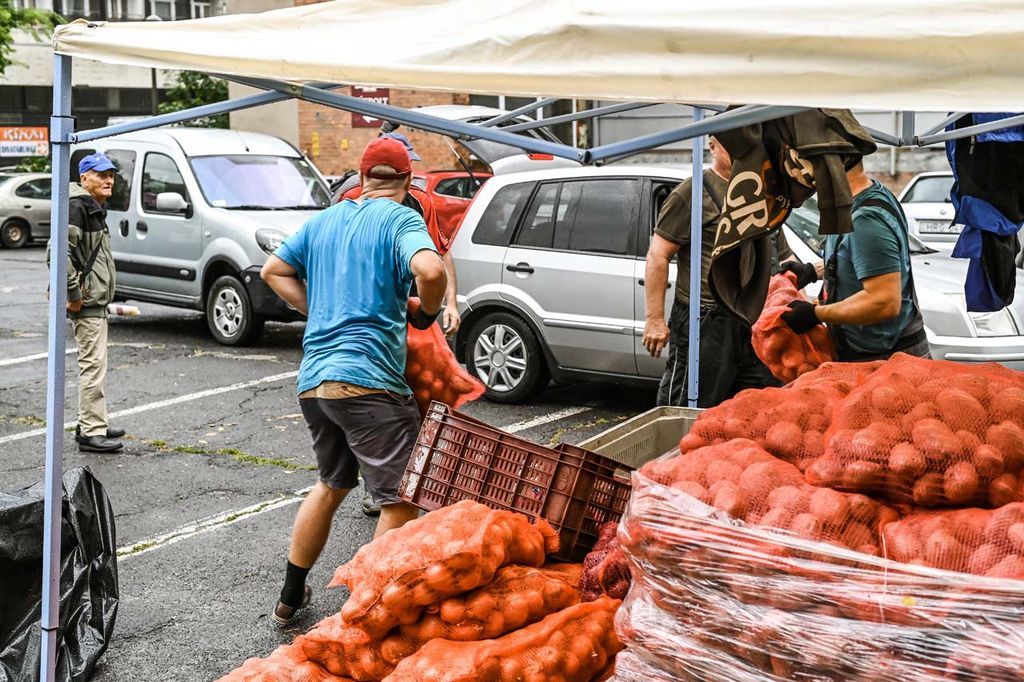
(459, 458)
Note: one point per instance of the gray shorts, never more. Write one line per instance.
(371, 434)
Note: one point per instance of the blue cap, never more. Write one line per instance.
(413, 156)
(95, 162)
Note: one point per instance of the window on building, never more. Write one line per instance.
(160, 174)
(200, 10)
(127, 10)
(12, 98)
(33, 4)
(78, 9)
(91, 99)
(163, 9)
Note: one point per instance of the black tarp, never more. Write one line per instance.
(88, 579)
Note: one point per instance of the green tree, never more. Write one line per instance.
(194, 89)
(35, 21)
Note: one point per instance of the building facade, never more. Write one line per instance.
(100, 92)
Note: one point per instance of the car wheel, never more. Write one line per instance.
(229, 313)
(14, 234)
(504, 353)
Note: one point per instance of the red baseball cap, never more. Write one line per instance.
(385, 151)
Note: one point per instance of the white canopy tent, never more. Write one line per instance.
(942, 55)
(948, 55)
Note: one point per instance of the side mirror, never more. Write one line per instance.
(171, 202)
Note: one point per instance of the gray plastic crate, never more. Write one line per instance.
(646, 436)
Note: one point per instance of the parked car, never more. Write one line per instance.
(452, 192)
(929, 209)
(24, 208)
(194, 215)
(551, 268)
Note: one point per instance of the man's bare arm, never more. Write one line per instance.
(285, 281)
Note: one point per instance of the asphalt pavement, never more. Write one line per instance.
(216, 460)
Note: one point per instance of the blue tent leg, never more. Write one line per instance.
(61, 126)
(696, 235)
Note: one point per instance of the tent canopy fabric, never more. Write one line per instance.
(943, 55)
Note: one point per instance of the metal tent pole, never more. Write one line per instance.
(61, 127)
(696, 246)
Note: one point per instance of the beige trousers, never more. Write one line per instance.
(91, 335)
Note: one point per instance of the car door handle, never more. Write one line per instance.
(520, 267)
(141, 226)
(26, 207)
(640, 282)
(123, 225)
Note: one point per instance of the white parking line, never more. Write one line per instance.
(32, 358)
(545, 419)
(210, 523)
(227, 518)
(163, 403)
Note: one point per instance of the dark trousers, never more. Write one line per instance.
(727, 360)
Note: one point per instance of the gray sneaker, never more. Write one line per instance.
(370, 508)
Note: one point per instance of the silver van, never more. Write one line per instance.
(194, 214)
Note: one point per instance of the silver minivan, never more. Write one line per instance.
(194, 214)
(551, 281)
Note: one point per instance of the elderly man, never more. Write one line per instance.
(91, 280)
(350, 270)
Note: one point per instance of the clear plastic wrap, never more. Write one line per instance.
(714, 598)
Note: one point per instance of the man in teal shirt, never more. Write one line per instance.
(349, 270)
(869, 301)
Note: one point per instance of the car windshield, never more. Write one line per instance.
(931, 189)
(259, 183)
(803, 222)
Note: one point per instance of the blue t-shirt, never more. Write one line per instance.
(878, 245)
(355, 258)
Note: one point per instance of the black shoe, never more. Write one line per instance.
(283, 615)
(111, 433)
(98, 444)
(370, 508)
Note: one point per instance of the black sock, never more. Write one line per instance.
(294, 585)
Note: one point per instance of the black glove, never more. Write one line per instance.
(420, 319)
(801, 317)
(805, 272)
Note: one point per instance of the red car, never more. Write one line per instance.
(452, 192)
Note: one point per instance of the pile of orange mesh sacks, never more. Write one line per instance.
(459, 595)
(863, 523)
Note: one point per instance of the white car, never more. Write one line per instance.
(929, 209)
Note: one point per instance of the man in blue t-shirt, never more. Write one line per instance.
(349, 270)
(868, 302)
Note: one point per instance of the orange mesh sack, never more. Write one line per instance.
(929, 432)
(789, 422)
(572, 645)
(736, 476)
(978, 541)
(722, 600)
(442, 554)
(786, 353)
(285, 664)
(433, 372)
(605, 569)
(741, 479)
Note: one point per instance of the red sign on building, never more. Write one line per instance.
(378, 95)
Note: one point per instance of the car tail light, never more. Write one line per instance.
(542, 157)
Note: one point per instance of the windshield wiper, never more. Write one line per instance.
(296, 207)
(248, 207)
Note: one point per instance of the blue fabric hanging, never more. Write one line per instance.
(988, 168)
